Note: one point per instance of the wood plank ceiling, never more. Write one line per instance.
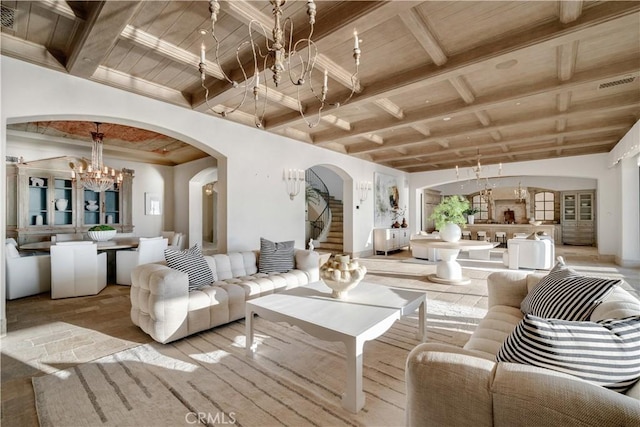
(440, 83)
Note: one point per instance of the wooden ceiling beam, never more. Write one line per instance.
(453, 109)
(127, 82)
(103, 27)
(449, 164)
(567, 54)
(389, 107)
(534, 139)
(418, 27)
(31, 52)
(168, 50)
(618, 103)
(570, 10)
(595, 20)
(337, 122)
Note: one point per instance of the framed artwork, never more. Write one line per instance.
(387, 199)
(152, 204)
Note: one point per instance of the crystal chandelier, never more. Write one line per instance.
(282, 55)
(96, 177)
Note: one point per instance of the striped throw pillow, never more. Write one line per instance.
(192, 262)
(565, 294)
(276, 257)
(606, 352)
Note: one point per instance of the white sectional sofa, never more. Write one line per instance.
(452, 386)
(163, 307)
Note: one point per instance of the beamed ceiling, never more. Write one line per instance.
(440, 82)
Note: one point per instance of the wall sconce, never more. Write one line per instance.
(294, 179)
(363, 188)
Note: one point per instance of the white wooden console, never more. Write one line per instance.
(390, 239)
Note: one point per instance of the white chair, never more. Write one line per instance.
(149, 250)
(77, 269)
(177, 242)
(68, 237)
(25, 275)
(527, 253)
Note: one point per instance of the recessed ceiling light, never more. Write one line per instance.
(427, 101)
(446, 119)
(202, 31)
(518, 103)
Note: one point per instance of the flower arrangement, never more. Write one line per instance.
(101, 228)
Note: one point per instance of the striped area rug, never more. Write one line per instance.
(293, 380)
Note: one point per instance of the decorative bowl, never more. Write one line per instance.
(102, 236)
(342, 275)
(535, 222)
(92, 208)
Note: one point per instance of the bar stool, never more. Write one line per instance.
(466, 234)
(481, 235)
(501, 236)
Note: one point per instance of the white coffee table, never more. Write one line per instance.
(369, 312)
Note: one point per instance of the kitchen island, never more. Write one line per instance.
(510, 229)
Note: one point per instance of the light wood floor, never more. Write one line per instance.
(47, 335)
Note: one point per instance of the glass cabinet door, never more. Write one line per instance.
(569, 207)
(91, 207)
(38, 201)
(586, 207)
(112, 205)
(63, 202)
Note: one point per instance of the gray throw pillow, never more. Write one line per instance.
(192, 262)
(276, 257)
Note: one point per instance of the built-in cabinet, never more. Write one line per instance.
(44, 200)
(390, 239)
(578, 218)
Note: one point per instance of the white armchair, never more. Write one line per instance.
(149, 250)
(527, 253)
(77, 269)
(25, 275)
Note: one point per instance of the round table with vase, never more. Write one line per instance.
(448, 270)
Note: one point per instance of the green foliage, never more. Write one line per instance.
(450, 209)
(101, 228)
(471, 211)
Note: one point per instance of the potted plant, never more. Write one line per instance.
(449, 217)
(470, 213)
(101, 233)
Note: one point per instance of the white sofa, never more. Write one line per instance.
(528, 253)
(163, 307)
(452, 386)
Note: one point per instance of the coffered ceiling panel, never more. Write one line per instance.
(439, 81)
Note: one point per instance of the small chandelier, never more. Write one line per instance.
(521, 193)
(97, 177)
(282, 56)
(477, 170)
(486, 194)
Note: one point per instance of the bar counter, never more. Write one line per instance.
(510, 229)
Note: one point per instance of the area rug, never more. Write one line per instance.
(294, 379)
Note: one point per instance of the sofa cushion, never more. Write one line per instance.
(606, 353)
(192, 262)
(276, 257)
(565, 294)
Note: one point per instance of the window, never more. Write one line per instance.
(478, 203)
(544, 206)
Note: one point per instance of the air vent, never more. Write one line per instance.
(8, 17)
(624, 81)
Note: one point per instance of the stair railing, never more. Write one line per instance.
(320, 225)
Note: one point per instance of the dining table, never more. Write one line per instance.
(109, 246)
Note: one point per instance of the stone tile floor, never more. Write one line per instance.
(47, 335)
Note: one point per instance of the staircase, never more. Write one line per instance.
(334, 241)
